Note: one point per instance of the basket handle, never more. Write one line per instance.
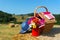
(39, 7)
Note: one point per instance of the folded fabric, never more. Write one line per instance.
(42, 23)
(48, 15)
(32, 18)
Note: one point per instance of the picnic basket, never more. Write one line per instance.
(49, 23)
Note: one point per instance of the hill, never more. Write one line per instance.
(24, 16)
(6, 17)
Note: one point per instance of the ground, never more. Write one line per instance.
(7, 33)
(54, 34)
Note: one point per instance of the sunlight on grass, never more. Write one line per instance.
(6, 33)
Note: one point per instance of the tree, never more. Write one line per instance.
(6, 17)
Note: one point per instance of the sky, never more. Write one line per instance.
(28, 6)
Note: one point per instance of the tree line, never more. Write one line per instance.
(6, 17)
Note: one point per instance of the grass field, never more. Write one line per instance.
(6, 33)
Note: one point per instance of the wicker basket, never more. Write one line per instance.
(48, 23)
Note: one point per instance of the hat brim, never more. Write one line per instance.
(22, 31)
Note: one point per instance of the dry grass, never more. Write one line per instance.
(24, 37)
(7, 33)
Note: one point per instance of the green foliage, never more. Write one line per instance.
(57, 16)
(6, 17)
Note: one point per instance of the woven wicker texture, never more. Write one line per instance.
(48, 23)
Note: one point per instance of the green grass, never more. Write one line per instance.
(6, 33)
